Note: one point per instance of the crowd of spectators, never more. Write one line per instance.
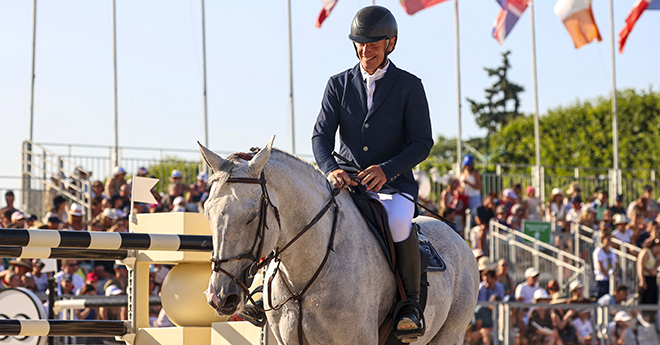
(111, 206)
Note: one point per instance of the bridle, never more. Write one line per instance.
(259, 262)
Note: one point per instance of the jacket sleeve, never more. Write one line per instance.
(418, 130)
(327, 122)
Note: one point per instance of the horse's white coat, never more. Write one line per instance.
(356, 288)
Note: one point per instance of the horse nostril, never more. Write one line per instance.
(213, 305)
(232, 301)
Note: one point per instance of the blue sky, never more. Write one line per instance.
(160, 68)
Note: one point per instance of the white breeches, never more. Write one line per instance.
(400, 212)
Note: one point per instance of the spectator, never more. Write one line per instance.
(88, 313)
(69, 268)
(583, 326)
(177, 177)
(97, 189)
(573, 191)
(587, 217)
(517, 217)
(484, 213)
(120, 280)
(651, 205)
(639, 229)
(509, 198)
(553, 290)
(11, 280)
(9, 201)
(198, 193)
(620, 330)
(447, 195)
(58, 209)
(471, 183)
(121, 225)
(449, 214)
(647, 272)
(66, 285)
(5, 219)
(620, 296)
(576, 289)
(622, 233)
(533, 204)
(460, 203)
(600, 204)
(646, 330)
(29, 220)
(75, 221)
(573, 213)
(608, 216)
(501, 215)
(561, 321)
(54, 223)
(481, 328)
(525, 291)
(125, 197)
(604, 260)
(640, 207)
(556, 209)
(18, 220)
(489, 285)
(541, 329)
(478, 253)
(504, 277)
(92, 279)
(109, 218)
(113, 184)
(39, 278)
(173, 190)
(618, 205)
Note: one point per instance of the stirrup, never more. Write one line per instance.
(411, 335)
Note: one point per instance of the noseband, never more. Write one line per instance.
(259, 262)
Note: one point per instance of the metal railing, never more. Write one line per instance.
(587, 240)
(523, 251)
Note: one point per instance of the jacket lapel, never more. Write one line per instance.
(358, 86)
(384, 87)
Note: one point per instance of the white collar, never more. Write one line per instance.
(380, 72)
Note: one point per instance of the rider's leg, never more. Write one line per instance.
(399, 213)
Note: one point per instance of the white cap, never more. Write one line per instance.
(178, 200)
(76, 210)
(175, 174)
(556, 191)
(110, 213)
(622, 316)
(541, 294)
(620, 218)
(202, 176)
(113, 290)
(574, 285)
(486, 264)
(477, 252)
(117, 171)
(509, 193)
(531, 272)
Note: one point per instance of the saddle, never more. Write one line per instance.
(376, 217)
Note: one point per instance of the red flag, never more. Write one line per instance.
(328, 5)
(413, 6)
(634, 14)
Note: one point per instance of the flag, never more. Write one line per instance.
(579, 20)
(142, 189)
(328, 5)
(413, 6)
(507, 18)
(634, 14)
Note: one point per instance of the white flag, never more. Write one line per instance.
(142, 189)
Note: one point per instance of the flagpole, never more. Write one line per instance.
(459, 142)
(615, 131)
(291, 118)
(32, 76)
(115, 155)
(206, 121)
(537, 136)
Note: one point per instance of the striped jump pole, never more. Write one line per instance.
(62, 253)
(117, 301)
(62, 328)
(104, 240)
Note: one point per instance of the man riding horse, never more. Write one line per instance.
(383, 119)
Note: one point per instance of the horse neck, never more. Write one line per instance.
(300, 196)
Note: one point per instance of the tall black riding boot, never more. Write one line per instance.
(409, 323)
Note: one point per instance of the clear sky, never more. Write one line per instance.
(160, 68)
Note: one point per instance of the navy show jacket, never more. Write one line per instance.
(395, 133)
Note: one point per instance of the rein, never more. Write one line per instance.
(258, 262)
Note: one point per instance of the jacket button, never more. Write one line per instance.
(366, 125)
(365, 149)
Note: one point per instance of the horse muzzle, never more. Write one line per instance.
(224, 295)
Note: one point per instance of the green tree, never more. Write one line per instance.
(581, 134)
(163, 168)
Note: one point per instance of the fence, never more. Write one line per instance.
(504, 318)
(523, 251)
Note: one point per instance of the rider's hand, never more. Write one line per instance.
(373, 177)
(340, 179)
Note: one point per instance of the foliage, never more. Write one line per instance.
(162, 170)
(581, 134)
(495, 113)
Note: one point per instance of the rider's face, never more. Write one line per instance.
(372, 54)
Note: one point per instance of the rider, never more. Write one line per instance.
(384, 126)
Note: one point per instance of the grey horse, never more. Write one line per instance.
(355, 288)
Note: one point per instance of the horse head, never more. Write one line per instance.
(238, 218)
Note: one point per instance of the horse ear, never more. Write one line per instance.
(212, 159)
(259, 160)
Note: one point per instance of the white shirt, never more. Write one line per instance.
(609, 262)
(625, 236)
(526, 292)
(584, 328)
(370, 80)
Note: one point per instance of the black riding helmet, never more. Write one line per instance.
(372, 24)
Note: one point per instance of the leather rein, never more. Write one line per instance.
(259, 262)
